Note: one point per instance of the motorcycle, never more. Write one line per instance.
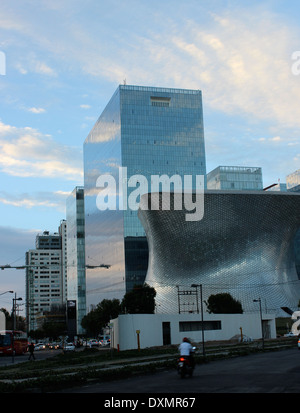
(185, 365)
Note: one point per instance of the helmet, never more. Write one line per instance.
(185, 339)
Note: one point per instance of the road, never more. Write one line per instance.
(273, 372)
(39, 355)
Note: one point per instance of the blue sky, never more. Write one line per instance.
(65, 58)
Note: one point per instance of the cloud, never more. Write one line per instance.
(36, 110)
(241, 70)
(46, 199)
(239, 57)
(272, 139)
(14, 242)
(27, 152)
(30, 64)
(276, 139)
(43, 68)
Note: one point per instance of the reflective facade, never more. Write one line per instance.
(244, 245)
(293, 180)
(149, 131)
(293, 185)
(76, 256)
(235, 178)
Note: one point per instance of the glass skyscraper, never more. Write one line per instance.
(142, 132)
(76, 303)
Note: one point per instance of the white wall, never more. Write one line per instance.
(2, 321)
(124, 329)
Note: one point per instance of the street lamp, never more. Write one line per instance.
(14, 322)
(261, 321)
(202, 323)
(6, 292)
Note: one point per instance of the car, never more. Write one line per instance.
(93, 343)
(53, 346)
(290, 334)
(69, 347)
(39, 346)
(104, 341)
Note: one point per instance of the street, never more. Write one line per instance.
(272, 372)
(39, 355)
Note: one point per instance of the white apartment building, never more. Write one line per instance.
(45, 275)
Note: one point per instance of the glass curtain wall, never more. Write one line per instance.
(235, 178)
(149, 131)
(76, 254)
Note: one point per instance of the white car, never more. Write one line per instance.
(69, 347)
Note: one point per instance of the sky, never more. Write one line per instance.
(62, 60)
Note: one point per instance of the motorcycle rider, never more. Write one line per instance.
(186, 350)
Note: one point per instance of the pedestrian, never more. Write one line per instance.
(31, 350)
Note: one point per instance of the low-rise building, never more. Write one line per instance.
(130, 331)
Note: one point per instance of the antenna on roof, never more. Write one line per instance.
(124, 82)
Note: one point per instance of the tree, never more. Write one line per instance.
(223, 303)
(20, 321)
(140, 300)
(8, 318)
(96, 319)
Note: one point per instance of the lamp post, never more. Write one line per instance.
(202, 323)
(261, 321)
(14, 322)
(6, 292)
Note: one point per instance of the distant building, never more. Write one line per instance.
(63, 233)
(277, 187)
(76, 302)
(235, 178)
(47, 241)
(45, 282)
(293, 181)
(295, 188)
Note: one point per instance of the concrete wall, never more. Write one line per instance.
(125, 327)
(2, 321)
